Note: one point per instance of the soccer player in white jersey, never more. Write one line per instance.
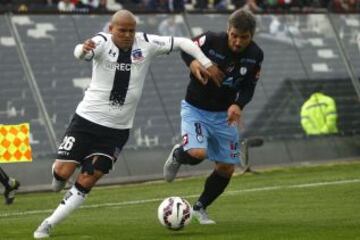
(100, 127)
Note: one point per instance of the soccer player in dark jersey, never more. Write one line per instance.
(211, 110)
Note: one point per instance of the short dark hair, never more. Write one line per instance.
(243, 21)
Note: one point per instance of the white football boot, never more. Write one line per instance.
(202, 217)
(171, 166)
(43, 231)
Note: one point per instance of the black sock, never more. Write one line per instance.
(4, 179)
(81, 188)
(184, 157)
(215, 185)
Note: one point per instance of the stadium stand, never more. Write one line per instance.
(297, 47)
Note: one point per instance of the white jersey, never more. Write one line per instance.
(118, 78)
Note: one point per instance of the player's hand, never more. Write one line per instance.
(198, 70)
(89, 45)
(216, 75)
(234, 115)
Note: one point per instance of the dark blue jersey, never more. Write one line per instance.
(242, 71)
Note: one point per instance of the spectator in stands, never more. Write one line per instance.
(89, 4)
(23, 8)
(211, 110)
(176, 5)
(75, 2)
(252, 6)
(6, 5)
(66, 6)
(102, 6)
(100, 127)
(319, 115)
(325, 3)
(344, 5)
(238, 3)
(285, 4)
(158, 5)
(5, 2)
(271, 5)
(11, 186)
(201, 4)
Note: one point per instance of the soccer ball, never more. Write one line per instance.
(175, 213)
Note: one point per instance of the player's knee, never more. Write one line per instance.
(62, 171)
(99, 163)
(93, 169)
(103, 164)
(197, 153)
(226, 170)
(184, 157)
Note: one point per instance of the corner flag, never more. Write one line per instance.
(15, 143)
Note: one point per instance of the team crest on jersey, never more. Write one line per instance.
(243, 71)
(137, 55)
(185, 139)
(112, 53)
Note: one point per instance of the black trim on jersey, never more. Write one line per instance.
(121, 79)
(92, 56)
(172, 45)
(145, 37)
(99, 34)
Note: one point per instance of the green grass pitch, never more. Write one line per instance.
(312, 202)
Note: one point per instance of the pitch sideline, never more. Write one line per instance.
(227, 193)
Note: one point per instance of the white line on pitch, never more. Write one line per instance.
(233, 192)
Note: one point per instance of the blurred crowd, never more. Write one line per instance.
(257, 6)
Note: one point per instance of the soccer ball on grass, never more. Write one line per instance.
(175, 213)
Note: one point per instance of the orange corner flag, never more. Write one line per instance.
(15, 143)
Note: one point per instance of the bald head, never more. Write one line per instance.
(122, 28)
(123, 16)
